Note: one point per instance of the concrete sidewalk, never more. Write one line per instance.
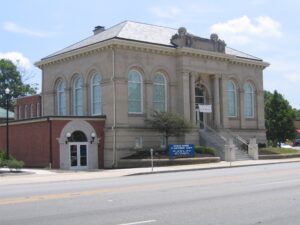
(43, 175)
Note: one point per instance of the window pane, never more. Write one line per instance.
(96, 95)
(248, 101)
(231, 95)
(159, 93)
(61, 100)
(78, 97)
(134, 92)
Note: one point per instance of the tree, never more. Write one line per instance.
(170, 124)
(280, 118)
(297, 111)
(10, 77)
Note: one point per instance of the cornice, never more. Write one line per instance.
(147, 48)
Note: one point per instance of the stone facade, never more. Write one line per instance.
(188, 62)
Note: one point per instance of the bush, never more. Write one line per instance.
(204, 150)
(2, 155)
(14, 164)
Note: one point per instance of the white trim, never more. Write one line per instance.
(141, 91)
(252, 101)
(235, 99)
(165, 90)
(78, 155)
(92, 95)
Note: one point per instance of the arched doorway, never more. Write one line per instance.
(78, 146)
(200, 99)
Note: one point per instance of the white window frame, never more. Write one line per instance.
(235, 99)
(138, 142)
(252, 98)
(75, 100)
(92, 95)
(61, 111)
(26, 112)
(165, 90)
(142, 91)
(31, 110)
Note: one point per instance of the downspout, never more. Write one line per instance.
(50, 142)
(114, 164)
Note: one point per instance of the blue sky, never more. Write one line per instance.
(268, 29)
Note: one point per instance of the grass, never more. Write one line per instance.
(272, 150)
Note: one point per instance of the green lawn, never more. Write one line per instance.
(270, 150)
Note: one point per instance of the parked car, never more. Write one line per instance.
(296, 142)
(283, 145)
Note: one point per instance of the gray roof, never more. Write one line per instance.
(138, 32)
(3, 113)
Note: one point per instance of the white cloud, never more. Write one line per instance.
(17, 58)
(242, 30)
(167, 13)
(12, 27)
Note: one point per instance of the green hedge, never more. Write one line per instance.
(204, 150)
(12, 163)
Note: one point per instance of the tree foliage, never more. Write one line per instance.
(280, 118)
(170, 124)
(10, 77)
(297, 111)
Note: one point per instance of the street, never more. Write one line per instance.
(265, 194)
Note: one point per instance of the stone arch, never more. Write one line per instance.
(92, 143)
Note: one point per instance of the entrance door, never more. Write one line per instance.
(78, 155)
(199, 100)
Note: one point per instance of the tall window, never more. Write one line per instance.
(61, 99)
(78, 97)
(26, 112)
(135, 97)
(159, 93)
(96, 97)
(31, 110)
(248, 100)
(232, 99)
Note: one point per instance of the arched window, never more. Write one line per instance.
(26, 112)
(31, 110)
(159, 93)
(135, 96)
(61, 99)
(38, 109)
(96, 95)
(78, 97)
(248, 100)
(231, 99)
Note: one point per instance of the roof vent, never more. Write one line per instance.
(98, 29)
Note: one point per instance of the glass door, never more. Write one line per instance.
(78, 155)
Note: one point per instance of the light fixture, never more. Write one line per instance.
(68, 136)
(93, 135)
(7, 91)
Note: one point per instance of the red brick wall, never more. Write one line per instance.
(28, 104)
(29, 141)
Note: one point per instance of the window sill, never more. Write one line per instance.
(136, 115)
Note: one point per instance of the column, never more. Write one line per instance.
(192, 98)
(216, 101)
(186, 95)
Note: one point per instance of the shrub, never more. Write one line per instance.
(204, 150)
(14, 164)
(2, 155)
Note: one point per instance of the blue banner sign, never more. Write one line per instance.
(177, 151)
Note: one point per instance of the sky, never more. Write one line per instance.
(267, 29)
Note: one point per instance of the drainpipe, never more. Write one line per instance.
(50, 142)
(114, 164)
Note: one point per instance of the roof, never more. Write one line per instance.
(141, 32)
(3, 113)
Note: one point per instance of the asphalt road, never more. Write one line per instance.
(268, 194)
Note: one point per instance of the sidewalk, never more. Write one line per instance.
(43, 176)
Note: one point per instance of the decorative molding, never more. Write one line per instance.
(147, 48)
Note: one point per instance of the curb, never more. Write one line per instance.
(208, 168)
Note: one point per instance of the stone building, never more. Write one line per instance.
(130, 70)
